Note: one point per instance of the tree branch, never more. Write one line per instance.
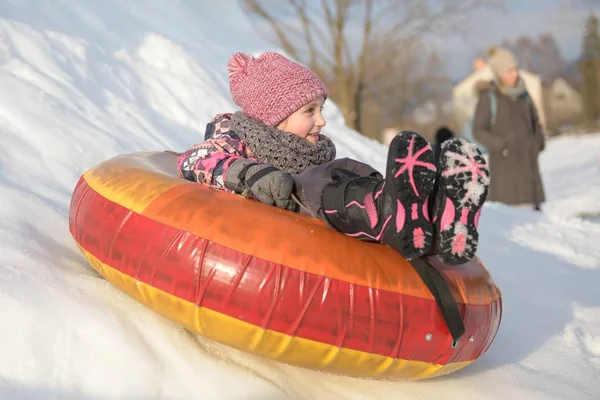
(300, 8)
(257, 9)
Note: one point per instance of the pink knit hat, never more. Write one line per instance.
(270, 88)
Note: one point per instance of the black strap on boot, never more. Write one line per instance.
(440, 290)
(342, 178)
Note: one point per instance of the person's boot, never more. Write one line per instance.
(393, 211)
(463, 184)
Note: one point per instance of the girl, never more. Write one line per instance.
(274, 150)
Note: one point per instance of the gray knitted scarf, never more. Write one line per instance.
(281, 149)
(514, 93)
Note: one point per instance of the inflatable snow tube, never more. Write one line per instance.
(271, 282)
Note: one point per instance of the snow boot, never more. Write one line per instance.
(393, 211)
(463, 184)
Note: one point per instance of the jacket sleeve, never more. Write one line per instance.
(538, 133)
(482, 123)
(208, 161)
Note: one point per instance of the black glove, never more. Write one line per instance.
(268, 184)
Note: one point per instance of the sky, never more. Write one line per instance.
(502, 19)
(565, 19)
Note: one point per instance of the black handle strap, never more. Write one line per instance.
(440, 290)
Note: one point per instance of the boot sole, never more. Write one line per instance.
(411, 172)
(464, 185)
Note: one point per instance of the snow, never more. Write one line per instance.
(84, 80)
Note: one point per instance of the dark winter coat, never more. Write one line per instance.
(513, 142)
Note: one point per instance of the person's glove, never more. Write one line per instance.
(267, 184)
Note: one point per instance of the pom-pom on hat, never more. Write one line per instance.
(271, 87)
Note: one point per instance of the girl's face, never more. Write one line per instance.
(510, 77)
(306, 122)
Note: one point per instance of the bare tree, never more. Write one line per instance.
(354, 44)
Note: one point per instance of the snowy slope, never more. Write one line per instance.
(82, 81)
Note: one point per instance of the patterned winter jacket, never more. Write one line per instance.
(207, 162)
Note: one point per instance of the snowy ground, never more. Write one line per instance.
(83, 80)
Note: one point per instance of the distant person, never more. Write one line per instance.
(506, 122)
(441, 135)
(274, 151)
